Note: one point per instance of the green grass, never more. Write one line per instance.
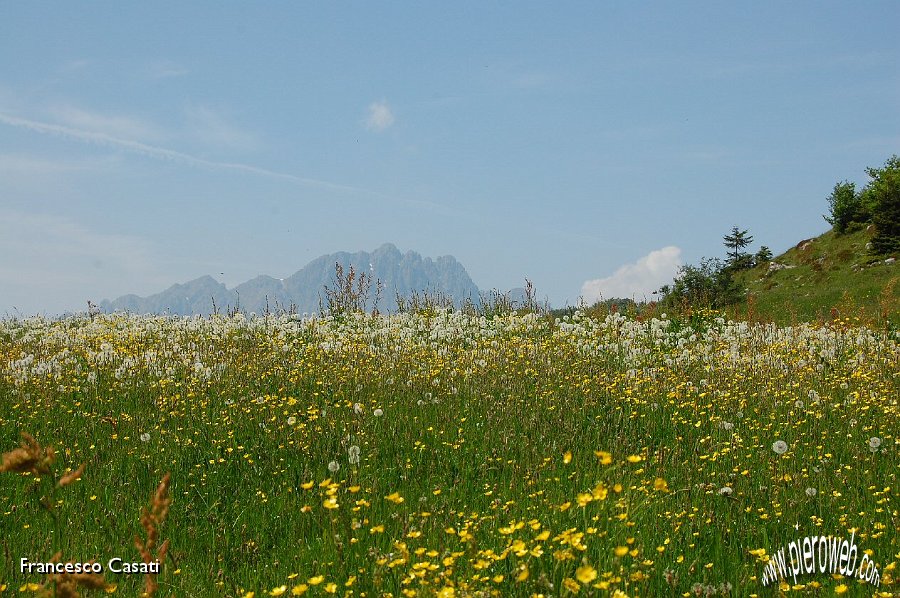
(490, 434)
(832, 272)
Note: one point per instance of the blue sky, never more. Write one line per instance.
(590, 147)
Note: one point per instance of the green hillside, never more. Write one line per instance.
(821, 278)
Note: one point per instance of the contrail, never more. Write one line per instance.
(162, 153)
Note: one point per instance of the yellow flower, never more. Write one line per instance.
(377, 529)
(300, 589)
(330, 503)
(314, 581)
(661, 484)
(447, 592)
(571, 585)
(567, 458)
(395, 498)
(600, 492)
(634, 458)
(523, 574)
(331, 588)
(307, 485)
(586, 574)
(278, 591)
(605, 458)
(621, 550)
(840, 589)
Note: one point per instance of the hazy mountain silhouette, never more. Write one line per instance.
(400, 273)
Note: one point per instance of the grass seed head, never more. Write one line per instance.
(31, 456)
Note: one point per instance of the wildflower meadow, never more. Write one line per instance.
(443, 453)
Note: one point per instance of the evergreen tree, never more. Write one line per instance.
(883, 194)
(735, 243)
(763, 255)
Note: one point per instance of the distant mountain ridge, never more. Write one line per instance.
(400, 273)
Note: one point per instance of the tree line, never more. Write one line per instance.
(878, 203)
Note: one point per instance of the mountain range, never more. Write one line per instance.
(400, 274)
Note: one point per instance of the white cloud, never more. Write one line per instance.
(165, 154)
(114, 125)
(380, 116)
(102, 139)
(638, 280)
(212, 128)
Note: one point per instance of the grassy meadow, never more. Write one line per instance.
(830, 275)
(446, 454)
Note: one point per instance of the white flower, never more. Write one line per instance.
(353, 455)
(725, 490)
(333, 466)
(727, 425)
(357, 408)
(291, 420)
(145, 437)
(798, 404)
(780, 447)
(378, 413)
(810, 492)
(874, 442)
